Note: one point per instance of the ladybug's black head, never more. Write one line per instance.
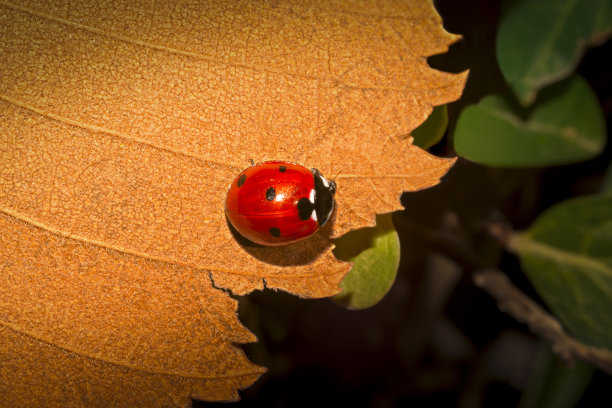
(332, 186)
(324, 197)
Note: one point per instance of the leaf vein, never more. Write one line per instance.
(114, 133)
(146, 256)
(19, 330)
(527, 244)
(177, 51)
(545, 49)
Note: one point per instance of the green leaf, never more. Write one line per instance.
(567, 255)
(541, 41)
(431, 131)
(375, 253)
(552, 385)
(566, 125)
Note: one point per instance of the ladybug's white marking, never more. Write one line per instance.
(314, 216)
(324, 180)
(312, 195)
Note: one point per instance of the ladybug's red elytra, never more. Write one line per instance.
(277, 202)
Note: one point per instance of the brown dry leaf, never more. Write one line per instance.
(121, 127)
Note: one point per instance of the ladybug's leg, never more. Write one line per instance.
(252, 162)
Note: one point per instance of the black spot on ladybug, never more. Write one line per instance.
(282, 169)
(305, 208)
(241, 180)
(270, 194)
(275, 231)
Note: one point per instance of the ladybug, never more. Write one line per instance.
(277, 202)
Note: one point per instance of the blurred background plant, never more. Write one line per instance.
(523, 221)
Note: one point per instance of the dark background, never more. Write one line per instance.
(435, 339)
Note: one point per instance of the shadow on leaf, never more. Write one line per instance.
(299, 253)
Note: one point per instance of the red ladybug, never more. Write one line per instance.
(276, 202)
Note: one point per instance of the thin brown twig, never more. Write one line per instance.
(517, 304)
